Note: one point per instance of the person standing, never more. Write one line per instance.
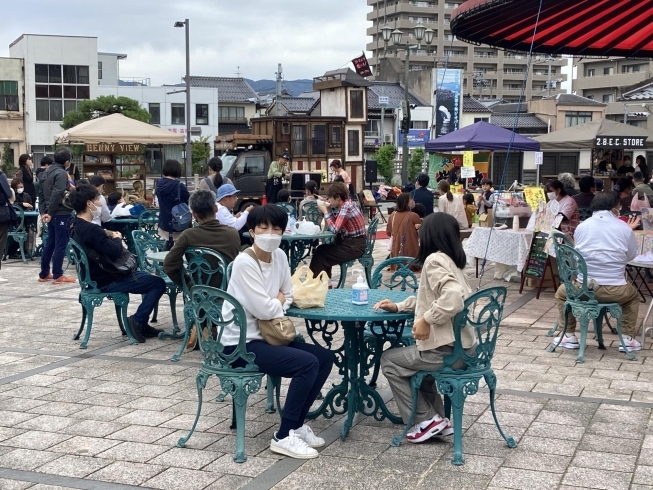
(422, 195)
(338, 171)
(278, 170)
(55, 213)
(26, 174)
(214, 180)
(170, 192)
(98, 182)
(402, 227)
(641, 189)
(640, 164)
(486, 201)
(46, 161)
(5, 215)
(450, 204)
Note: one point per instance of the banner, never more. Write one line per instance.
(362, 66)
(533, 197)
(417, 138)
(468, 159)
(447, 87)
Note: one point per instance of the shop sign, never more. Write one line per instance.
(116, 148)
(620, 142)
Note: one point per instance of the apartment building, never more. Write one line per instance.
(488, 72)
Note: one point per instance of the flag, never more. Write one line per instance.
(362, 66)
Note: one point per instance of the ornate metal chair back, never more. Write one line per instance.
(77, 257)
(148, 221)
(145, 243)
(288, 207)
(585, 213)
(312, 213)
(371, 237)
(573, 273)
(202, 266)
(20, 227)
(402, 277)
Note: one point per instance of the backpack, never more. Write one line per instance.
(182, 218)
(118, 269)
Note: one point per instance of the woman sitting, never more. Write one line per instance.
(567, 215)
(264, 289)
(443, 288)
(402, 227)
(450, 204)
(23, 199)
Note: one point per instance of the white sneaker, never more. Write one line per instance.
(448, 430)
(293, 446)
(631, 344)
(3, 280)
(309, 437)
(427, 429)
(568, 342)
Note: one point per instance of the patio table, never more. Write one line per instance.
(157, 256)
(640, 271)
(353, 395)
(125, 226)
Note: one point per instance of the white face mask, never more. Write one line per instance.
(95, 211)
(268, 242)
(20, 191)
(551, 195)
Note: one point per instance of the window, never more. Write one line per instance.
(57, 82)
(155, 113)
(336, 138)
(419, 124)
(357, 109)
(285, 128)
(352, 140)
(318, 139)
(608, 98)
(178, 113)
(608, 71)
(8, 96)
(574, 118)
(99, 70)
(231, 113)
(299, 143)
(630, 69)
(254, 165)
(481, 119)
(202, 114)
(590, 72)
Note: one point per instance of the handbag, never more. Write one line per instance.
(278, 331)
(311, 292)
(182, 218)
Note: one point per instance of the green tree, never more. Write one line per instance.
(385, 159)
(200, 151)
(103, 106)
(7, 159)
(415, 163)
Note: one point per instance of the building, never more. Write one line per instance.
(12, 108)
(473, 112)
(292, 106)
(487, 71)
(634, 106)
(238, 103)
(59, 71)
(108, 68)
(565, 110)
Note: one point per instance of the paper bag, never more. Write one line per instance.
(312, 291)
(485, 220)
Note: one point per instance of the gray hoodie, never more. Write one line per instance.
(54, 182)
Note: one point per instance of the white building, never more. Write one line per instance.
(12, 109)
(108, 68)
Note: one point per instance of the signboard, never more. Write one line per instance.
(539, 158)
(533, 196)
(468, 159)
(117, 148)
(447, 87)
(384, 100)
(362, 66)
(467, 172)
(417, 138)
(620, 142)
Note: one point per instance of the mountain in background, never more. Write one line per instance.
(293, 87)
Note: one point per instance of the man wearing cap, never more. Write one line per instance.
(227, 199)
(278, 170)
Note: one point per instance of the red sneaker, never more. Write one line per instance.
(45, 279)
(424, 431)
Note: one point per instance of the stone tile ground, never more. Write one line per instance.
(109, 417)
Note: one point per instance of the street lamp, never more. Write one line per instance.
(189, 160)
(421, 34)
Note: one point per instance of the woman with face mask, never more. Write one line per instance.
(264, 289)
(23, 199)
(567, 216)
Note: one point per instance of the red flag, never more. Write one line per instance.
(362, 66)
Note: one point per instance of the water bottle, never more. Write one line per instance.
(360, 291)
(291, 224)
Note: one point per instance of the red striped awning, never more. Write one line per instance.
(572, 27)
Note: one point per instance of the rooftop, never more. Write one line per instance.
(470, 104)
(120, 56)
(524, 121)
(571, 99)
(229, 89)
(297, 104)
(643, 91)
(49, 35)
(395, 93)
(344, 77)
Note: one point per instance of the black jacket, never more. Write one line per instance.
(424, 197)
(54, 182)
(93, 237)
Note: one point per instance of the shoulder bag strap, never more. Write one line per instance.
(250, 251)
(179, 192)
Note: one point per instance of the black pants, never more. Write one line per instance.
(4, 230)
(344, 250)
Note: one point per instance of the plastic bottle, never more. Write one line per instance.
(291, 225)
(360, 291)
(515, 223)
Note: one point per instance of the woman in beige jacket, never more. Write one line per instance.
(443, 287)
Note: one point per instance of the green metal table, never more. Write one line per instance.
(125, 226)
(298, 247)
(157, 256)
(352, 358)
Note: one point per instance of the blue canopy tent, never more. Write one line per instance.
(482, 136)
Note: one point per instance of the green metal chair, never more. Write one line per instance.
(90, 296)
(288, 207)
(581, 301)
(375, 336)
(201, 267)
(312, 213)
(148, 221)
(235, 368)
(145, 243)
(18, 233)
(462, 370)
(366, 260)
(38, 251)
(585, 213)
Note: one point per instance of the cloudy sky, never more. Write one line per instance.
(308, 37)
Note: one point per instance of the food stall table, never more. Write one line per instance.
(506, 246)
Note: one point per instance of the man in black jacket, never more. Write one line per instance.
(422, 195)
(86, 203)
(54, 183)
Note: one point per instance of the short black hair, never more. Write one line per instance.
(97, 181)
(623, 184)
(82, 182)
(202, 203)
(113, 198)
(423, 179)
(486, 182)
(468, 198)
(605, 201)
(270, 214)
(171, 168)
(63, 155)
(440, 232)
(46, 160)
(283, 195)
(598, 184)
(80, 197)
(586, 183)
(638, 176)
(556, 184)
(338, 178)
(419, 209)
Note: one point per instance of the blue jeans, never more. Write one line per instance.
(149, 285)
(54, 250)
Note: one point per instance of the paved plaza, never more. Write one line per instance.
(109, 417)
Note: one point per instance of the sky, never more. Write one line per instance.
(308, 37)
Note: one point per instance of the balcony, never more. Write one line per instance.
(401, 8)
(609, 81)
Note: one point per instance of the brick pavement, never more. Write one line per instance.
(108, 418)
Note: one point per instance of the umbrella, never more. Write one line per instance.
(482, 136)
(572, 27)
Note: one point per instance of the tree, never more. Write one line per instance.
(385, 160)
(415, 163)
(7, 159)
(200, 151)
(103, 106)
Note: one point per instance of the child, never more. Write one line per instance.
(470, 208)
(485, 203)
(441, 295)
(283, 195)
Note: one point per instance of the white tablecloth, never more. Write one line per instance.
(506, 246)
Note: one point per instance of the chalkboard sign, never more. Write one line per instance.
(537, 263)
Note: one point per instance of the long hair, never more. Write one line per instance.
(215, 164)
(402, 203)
(440, 232)
(446, 188)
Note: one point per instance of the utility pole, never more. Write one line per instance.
(406, 124)
(279, 79)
